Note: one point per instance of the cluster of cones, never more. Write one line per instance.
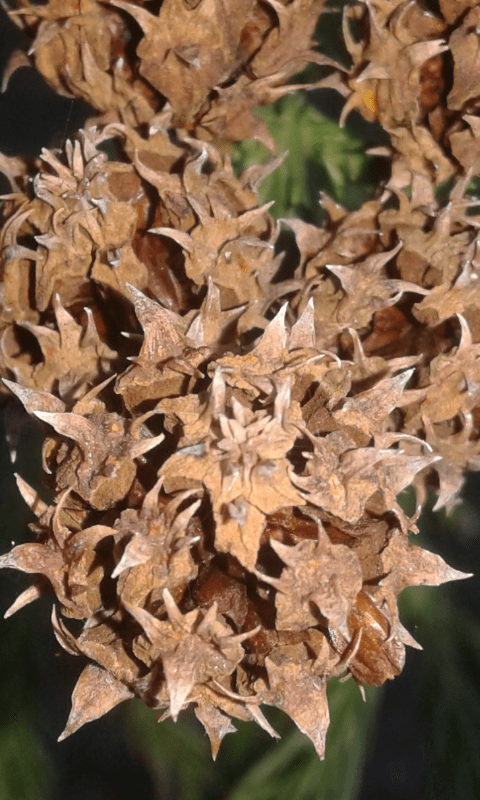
(227, 433)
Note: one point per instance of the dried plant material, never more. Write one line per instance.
(400, 76)
(213, 60)
(216, 723)
(81, 52)
(229, 250)
(96, 693)
(465, 144)
(303, 698)
(453, 9)
(28, 596)
(72, 355)
(224, 466)
(463, 44)
(89, 220)
(185, 51)
(408, 565)
(156, 550)
(435, 255)
(455, 373)
(242, 467)
(386, 81)
(379, 657)
(261, 463)
(321, 577)
(216, 60)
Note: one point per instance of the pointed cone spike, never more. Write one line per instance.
(162, 341)
(138, 423)
(305, 701)
(31, 497)
(175, 615)
(271, 347)
(322, 535)
(65, 321)
(59, 530)
(8, 561)
(150, 503)
(196, 332)
(182, 520)
(452, 574)
(28, 596)
(275, 582)
(217, 393)
(284, 551)
(261, 720)
(90, 336)
(176, 501)
(405, 637)
(419, 52)
(63, 635)
(150, 624)
(144, 445)
(404, 377)
(346, 275)
(212, 298)
(302, 334)
(401, 468)
(282, 400)
(73, 426)
(255, 174)
(96, 693)
(180, 237)
(234, 695)
(200, 211)
(216, 723)
(91, 536)
(358, 352)
(240, 637)
(415, 566)
(208, 620)
(240, 412)
(466, 340)
(35, 401)
(179, 668)
(83, 406)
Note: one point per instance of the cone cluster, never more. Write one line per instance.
(227, 432)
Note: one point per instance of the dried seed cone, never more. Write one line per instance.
(396, 288)
(212, 61)
(416, 72)
(72, 239)
(230, 546)
(224, 477)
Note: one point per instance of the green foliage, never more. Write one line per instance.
(320, 156)
(250, 765)
(25, 769)
(290, 768)
(448, 689)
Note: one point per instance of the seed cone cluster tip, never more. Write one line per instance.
(227, 432)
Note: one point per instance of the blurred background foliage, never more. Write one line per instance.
(418, 737)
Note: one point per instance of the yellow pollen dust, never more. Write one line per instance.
(370, 101)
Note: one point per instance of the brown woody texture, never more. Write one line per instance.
(226, 435)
